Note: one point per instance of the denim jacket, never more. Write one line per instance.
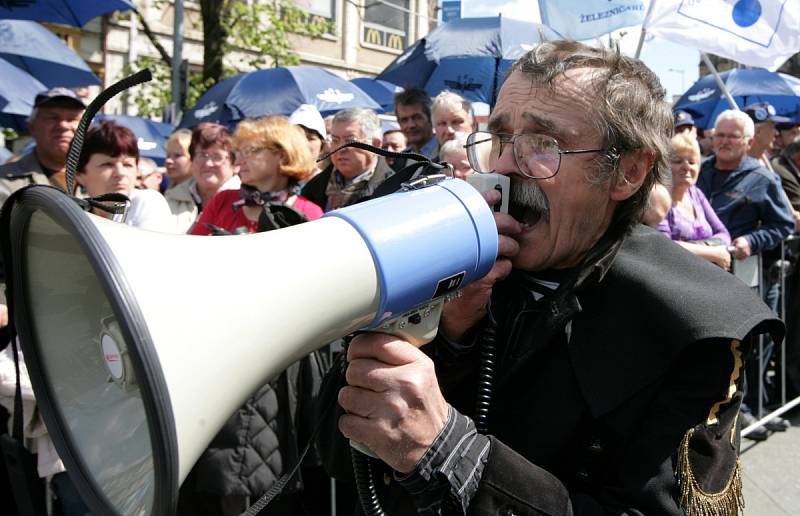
(749, 201)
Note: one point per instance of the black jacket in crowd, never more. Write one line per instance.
(617, 394)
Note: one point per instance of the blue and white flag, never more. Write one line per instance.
(586, 19)
(761, 33)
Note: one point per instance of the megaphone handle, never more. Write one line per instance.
(419, 326)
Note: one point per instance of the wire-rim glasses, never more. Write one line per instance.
(537, 156)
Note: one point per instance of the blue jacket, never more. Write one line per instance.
(749, 201)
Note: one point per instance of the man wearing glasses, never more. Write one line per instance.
(750, 201)
(616, 354)
(354, 173)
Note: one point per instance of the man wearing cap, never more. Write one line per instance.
(764, 119)
(684, 123)
(785, 133)
(52, 124)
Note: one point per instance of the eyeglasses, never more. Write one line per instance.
(247, 152)
(216, 159)
(725, 136)
(338, 142)
(537, 156)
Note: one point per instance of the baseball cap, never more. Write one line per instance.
(764, 112)
(53, 94)
(683, 118)
(308, 116)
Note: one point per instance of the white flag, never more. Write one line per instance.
(762, 33)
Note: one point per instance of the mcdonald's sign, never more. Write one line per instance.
(374, 35)
(395, 42)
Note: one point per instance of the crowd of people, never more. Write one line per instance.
(584, 417)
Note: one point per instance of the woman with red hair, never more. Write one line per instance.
(273, 158)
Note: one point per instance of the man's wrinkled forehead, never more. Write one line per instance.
(527, 94)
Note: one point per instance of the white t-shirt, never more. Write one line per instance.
(149, 210)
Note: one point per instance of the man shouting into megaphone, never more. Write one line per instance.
(587, 370)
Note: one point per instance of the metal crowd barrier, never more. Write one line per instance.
(748, 272)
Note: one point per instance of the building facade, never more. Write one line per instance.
(367, 36)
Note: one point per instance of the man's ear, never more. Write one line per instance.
(377, 142)
(633, 168)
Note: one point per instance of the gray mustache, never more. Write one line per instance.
(526, 195)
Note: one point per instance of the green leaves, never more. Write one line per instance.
(265, 28)
(258, 35)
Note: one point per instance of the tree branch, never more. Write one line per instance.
(153, 39)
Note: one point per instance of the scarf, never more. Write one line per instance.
(251, 196)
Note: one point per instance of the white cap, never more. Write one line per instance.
(308, 116)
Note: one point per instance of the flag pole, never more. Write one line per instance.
(645, 23)
(722, 87)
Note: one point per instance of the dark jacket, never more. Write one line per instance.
(602, 387)
(261, 441)
(316, 188)
(749, 201)
(25, 171)
(790, 178)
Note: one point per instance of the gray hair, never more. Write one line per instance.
(453, 101)
(455, 145)
(631, 112)
(748, 127)
(367, 120)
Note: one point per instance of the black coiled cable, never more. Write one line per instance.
(483, 399)
(76, 145)
(365, 484)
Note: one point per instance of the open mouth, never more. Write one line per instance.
(525, 215)
(527, 203)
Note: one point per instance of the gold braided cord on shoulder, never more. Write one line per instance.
(735, 373)
(695, 501)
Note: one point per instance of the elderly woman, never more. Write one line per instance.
(109, 164)
(453, 152)
(273, 157)
(451, 113)
(691, 221)
(213, 169)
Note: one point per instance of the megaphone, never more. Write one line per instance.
(140, 345)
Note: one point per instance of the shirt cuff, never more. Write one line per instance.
(451, 469)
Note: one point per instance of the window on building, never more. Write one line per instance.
(324, 8)
(385, 25)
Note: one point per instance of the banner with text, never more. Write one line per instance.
(586, 19)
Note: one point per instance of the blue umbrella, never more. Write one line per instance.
(31, 47)
(276, 91)
(17, 92)
(468, 56)
(151, 135)
(381, 92)
(65, 12)
(705, 101)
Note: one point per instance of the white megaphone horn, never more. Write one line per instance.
(140, 345)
